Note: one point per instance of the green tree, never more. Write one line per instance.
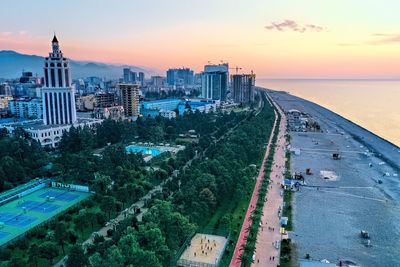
(60, 234)
(48, 250)
(114, 257)
(16, 262)
(33, 254)
(81, 221)
(76, 257)
(108, 204)
(151, 238)
(96, 260)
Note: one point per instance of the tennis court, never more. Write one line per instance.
(65, 196)
(15, 219)
(22, 214)
(38, 206)
(3, 234)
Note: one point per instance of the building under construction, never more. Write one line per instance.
(243, 86)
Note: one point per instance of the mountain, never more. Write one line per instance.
(12, 63)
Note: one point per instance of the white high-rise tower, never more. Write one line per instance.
(58, 96)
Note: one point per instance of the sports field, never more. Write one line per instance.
(22, 214)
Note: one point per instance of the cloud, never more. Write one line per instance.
(5, 34)
(222, 45)
(348, 44)
(385, 38)
(292, 25)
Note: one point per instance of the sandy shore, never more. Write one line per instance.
(330, 213)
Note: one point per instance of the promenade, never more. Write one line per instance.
(236, 262)
(269, 237)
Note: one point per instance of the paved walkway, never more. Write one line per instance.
(236, 262)
(269, 237)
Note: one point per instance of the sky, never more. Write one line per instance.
(276, 39)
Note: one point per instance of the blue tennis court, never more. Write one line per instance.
(38, 206)
(63, 196)
(38, 210)
(13, 219)
(3, 234)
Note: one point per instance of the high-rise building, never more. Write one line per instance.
(104, 99)
(127, 75)
(214, 85)
(26, 108)
(5, 89)
(58, 96)
(214, 82)
(132, 76)
(157, 81)
(141, 78)
(58, 101)
(130, 99)
(180, 77)
(243, 87)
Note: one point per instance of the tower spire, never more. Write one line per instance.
(54, 38)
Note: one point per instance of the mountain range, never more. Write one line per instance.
(13, 63)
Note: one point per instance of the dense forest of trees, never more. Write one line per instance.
(119, 179)
(20, 161)
(217, 177)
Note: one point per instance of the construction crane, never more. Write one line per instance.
(236, 69)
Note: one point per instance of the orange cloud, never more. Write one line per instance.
(292, 25)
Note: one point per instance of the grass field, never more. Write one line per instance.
(22, 214)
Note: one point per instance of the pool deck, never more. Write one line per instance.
(160, 149)
(22, 214)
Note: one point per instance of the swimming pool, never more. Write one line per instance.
(144, 150)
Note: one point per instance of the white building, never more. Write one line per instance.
(214, 82)
(57, 95)
(58, 100)
(169, 114)
(113, 113)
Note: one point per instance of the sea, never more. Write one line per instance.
(372, 104)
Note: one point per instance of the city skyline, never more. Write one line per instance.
(289, 39)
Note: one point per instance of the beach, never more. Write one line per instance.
(361, 192)
(373, 104)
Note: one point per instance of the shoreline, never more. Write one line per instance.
(335, 113)
(328, 214)
(374, 135)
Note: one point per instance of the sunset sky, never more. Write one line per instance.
(277, 39)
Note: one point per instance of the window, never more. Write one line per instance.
(60, 80)
(53, 78)
(56, 106)
(46, 76)
(46, 104)
(51, 106)
(66, 78)
(70, 107)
